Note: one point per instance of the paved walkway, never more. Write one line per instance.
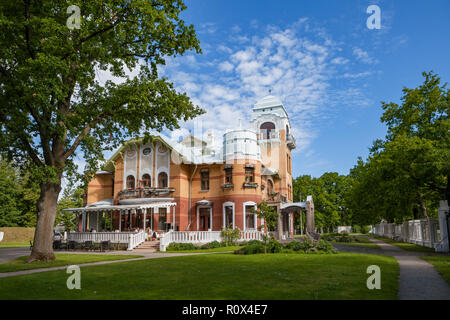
(7, 254)
(418, 280)
(146, 256)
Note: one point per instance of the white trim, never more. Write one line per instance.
(210, 216)
(249, 203)
(149, 170)
(131, 171)
(227, 204)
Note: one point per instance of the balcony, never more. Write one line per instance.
(290, 141)
(263, 135)
(143, 193)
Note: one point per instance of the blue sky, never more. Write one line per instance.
(319, 57)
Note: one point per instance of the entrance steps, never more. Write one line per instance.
(149, 246)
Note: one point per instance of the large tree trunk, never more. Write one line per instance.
(47, 208)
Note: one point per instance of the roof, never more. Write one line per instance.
(267, 102)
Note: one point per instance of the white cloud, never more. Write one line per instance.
(363, 56)
(226, 66)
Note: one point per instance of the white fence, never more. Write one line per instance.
(133, 239)
(424, 232)
(202, 237)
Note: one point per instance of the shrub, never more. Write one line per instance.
(230, 235)
(251, 242)
(365, 229)
(174, 246)
(250, 249)
(274, 246)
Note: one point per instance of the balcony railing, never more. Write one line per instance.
(144, 192)
(291, 141)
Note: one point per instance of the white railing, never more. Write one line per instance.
(136, 239)
(114, 237)
(423, 232)
(201, 237)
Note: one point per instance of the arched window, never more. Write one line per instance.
(131, 182)
(162, 180)
(266, 128)
(146, 182)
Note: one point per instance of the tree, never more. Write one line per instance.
(52, 106)
(408, 172)
(422, 120)
(72, 198)
(329, 192)
(18, 197)
(270, 216)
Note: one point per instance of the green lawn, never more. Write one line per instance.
(221, 249)
(404, 245)
(217, 276)
(62, 259)
(370, 245)
(14, 244)
(442, 264)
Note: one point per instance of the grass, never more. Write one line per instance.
(441, 263)
(14, 244)
(370, 245)
(221, 276)
(62, 259)
(221, 249)
(404, 245)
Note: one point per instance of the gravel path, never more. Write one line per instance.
(418, 280)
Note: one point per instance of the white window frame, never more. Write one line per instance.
(227, 204)
(245, 204)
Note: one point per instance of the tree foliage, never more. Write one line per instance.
(407, 173)
(54, 107)
(18, 195)
(329, 193)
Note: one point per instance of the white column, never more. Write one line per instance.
(197, 216)
(173, 224)
(210, 219)
(145, 213)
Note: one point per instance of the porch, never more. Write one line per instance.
(131, 222)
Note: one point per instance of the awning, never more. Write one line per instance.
(162, 204)
(204, 203)
(293, 206)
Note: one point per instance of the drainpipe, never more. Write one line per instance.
(189, 209)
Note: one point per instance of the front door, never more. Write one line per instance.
(204, 221)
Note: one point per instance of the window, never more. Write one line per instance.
(204, 177)
(229, 175)
(146, 182)
(228, 216)
(287, 132)
(249, 175)
(269, 188)
(162, 218)
(266, 128)
(130, 182)
(249, 217)
(162, 180)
